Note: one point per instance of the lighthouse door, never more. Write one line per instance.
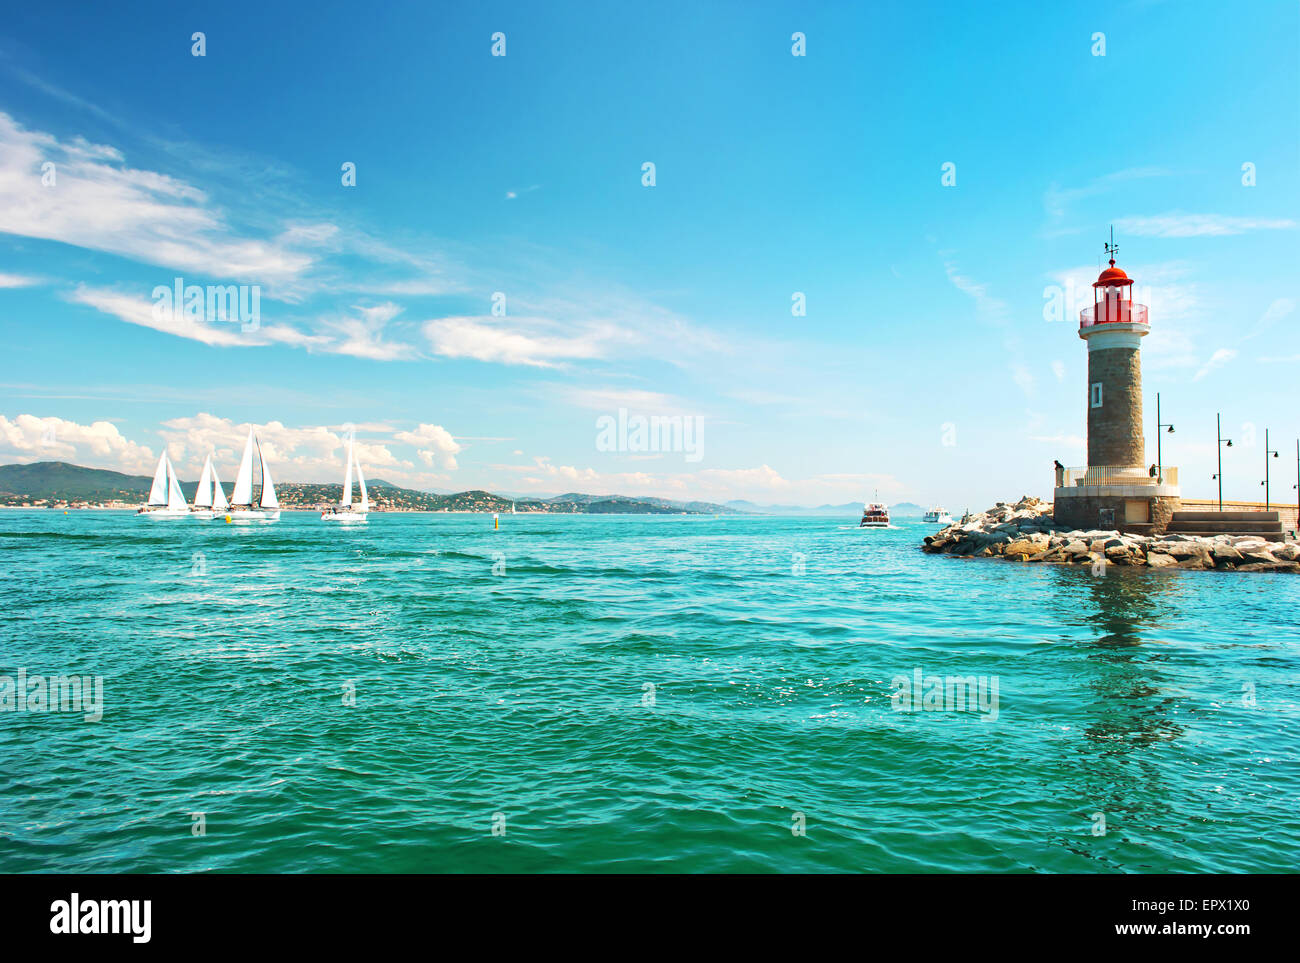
(1137, 511)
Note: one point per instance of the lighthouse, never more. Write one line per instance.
(1116, 490)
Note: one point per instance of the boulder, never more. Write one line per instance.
(1025, 546)
(1224, 553)
(1160, 560)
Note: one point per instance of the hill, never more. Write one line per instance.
(57, 482)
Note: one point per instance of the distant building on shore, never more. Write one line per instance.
(1116, 489)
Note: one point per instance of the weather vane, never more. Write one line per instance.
(1112, 248)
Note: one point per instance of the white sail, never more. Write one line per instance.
(268, 487)
(175, 499)
(243, 493)
(347, 479)
(203, 496)
(365, 497)
(219, 503)
(158, 493)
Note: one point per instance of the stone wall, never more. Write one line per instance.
(1115, 429)
(1083, 512)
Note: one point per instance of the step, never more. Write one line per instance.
(1227, 517)
(1268, 534)
(1182, 526)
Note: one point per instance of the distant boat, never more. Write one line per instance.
(874, 515)
(937, 516)
(209, 499)
(242, 508)
(512, 508)
(345, 511)
(165, 497)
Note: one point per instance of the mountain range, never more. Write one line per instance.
(60, 481)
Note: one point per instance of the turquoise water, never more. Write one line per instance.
(528, 694)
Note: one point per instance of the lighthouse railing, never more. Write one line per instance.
(1119, 475)
(1108, 312)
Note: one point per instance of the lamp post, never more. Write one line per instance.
(1160, 464)
(1218, 430)
(1267, 451)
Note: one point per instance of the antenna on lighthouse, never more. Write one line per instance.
(1112, 248)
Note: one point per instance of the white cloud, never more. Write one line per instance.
(137, 310)
(310, 453)
(1217, 360)
(17, 281)
(363, 336)
(1178, 224)
(98, 202)
(434, 444)
(486, 339)
(30, 438)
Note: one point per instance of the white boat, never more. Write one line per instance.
(345, 511)
(937, 516)
(874, 515)
(242, 507)
(165, 497)
(209, 500)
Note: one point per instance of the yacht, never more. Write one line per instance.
(874, 515)
(345, 510)
(165, 497)
(242, 506)
(209, 499)
(937, 516)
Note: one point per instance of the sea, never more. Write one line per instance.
(644, 694)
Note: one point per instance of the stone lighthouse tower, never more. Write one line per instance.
(1116, 490)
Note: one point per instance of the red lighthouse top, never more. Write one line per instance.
(1112, 277)
(1112, 299)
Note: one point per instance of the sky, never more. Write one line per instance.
(855, 272)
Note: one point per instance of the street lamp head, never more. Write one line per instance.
(1170, 431)
(1229, 442)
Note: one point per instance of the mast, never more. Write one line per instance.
(347, 479)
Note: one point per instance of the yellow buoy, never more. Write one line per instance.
(496, 522)
(228, 521)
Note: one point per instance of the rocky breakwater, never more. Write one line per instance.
(1027, 532)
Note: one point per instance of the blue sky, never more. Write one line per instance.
(924, 367)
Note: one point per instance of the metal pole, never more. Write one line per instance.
(1265, 469)
(1160, 463)
(1218, 431)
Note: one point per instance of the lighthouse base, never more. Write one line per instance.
(1136, 509)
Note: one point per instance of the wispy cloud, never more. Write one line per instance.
(96, 201)
(1178, 224)
(512, 342)
(1217, 360)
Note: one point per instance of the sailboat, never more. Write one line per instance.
(165, 497)
(345, 511)
(209, 500)
(242, 508)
